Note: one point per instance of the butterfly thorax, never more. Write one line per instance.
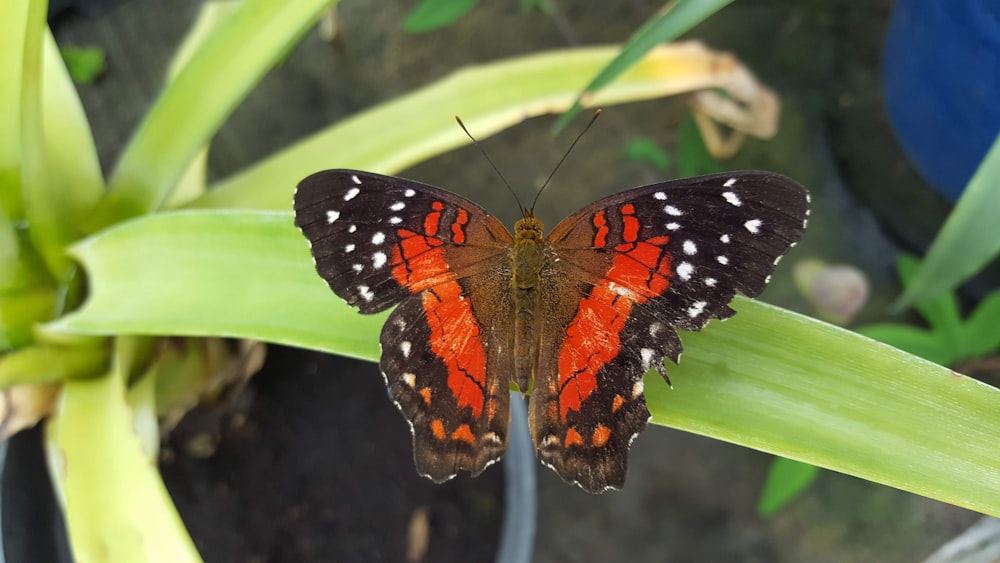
(527, 262)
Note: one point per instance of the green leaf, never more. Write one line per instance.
(435, 14)
(647, 151)
(767, 379)
(84, 64)
(20, 309)
(916, 341)
(191, 184)
(116, 505)
(980, 335)
(62, 174)
(196, 103)
(673, 20)
(277, 294)
(9, 253)
(12, 32)
(693, 158)
(968, 240)
(45, 364)
(412, 128)
(786, 480)
(941, 311)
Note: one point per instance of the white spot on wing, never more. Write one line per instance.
(684, 270)
(354, 178)
(654, 329)
(352, 228)
(378, 238)
(690, 248)
(349, 248)
(753, 225)
(722, 260)
(405, 347)
(366, 293)
(409, 193)
(637, 389)
(660, 196)
(696, 309)
(673, 226)
(647, 357)
(730, 182)
(395, 220)
(398, 206)
(379, 259)
(672, 211)
(357, 267)
(351, 194)
(724, 238)
(732, 198)
(710, 282)
(332, 216)
(410, 379)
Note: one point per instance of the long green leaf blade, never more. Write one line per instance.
(219, 288)
(118, 508)
(12, 31)
(969, 238)
(768, 379)
(196, 103)
(676, 18)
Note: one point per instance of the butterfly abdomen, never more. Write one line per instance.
(528, 260)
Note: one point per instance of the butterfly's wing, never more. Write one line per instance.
(627, 271)
(380, 241)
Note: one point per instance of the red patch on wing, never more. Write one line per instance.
(458, 227)
(464, 433)
(640, 271)
(630, 227)
(601, 237)
(419, 264)
(448, 314)
(573, 438)
(437, 428)
(592, 340)
(417, 260)
(433, 219)
(601, 435)
(643, 268)
(617, 403)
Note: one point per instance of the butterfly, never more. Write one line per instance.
(573, 318)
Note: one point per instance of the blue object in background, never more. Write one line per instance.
(941, 81)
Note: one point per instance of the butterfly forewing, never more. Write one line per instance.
(355, 222)
(637, 265)
(380, 241)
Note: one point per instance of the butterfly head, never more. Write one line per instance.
(528, 227)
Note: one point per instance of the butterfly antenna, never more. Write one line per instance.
(488, 159)
(563, 159)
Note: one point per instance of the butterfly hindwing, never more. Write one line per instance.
(380, 241)
(628, 270)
